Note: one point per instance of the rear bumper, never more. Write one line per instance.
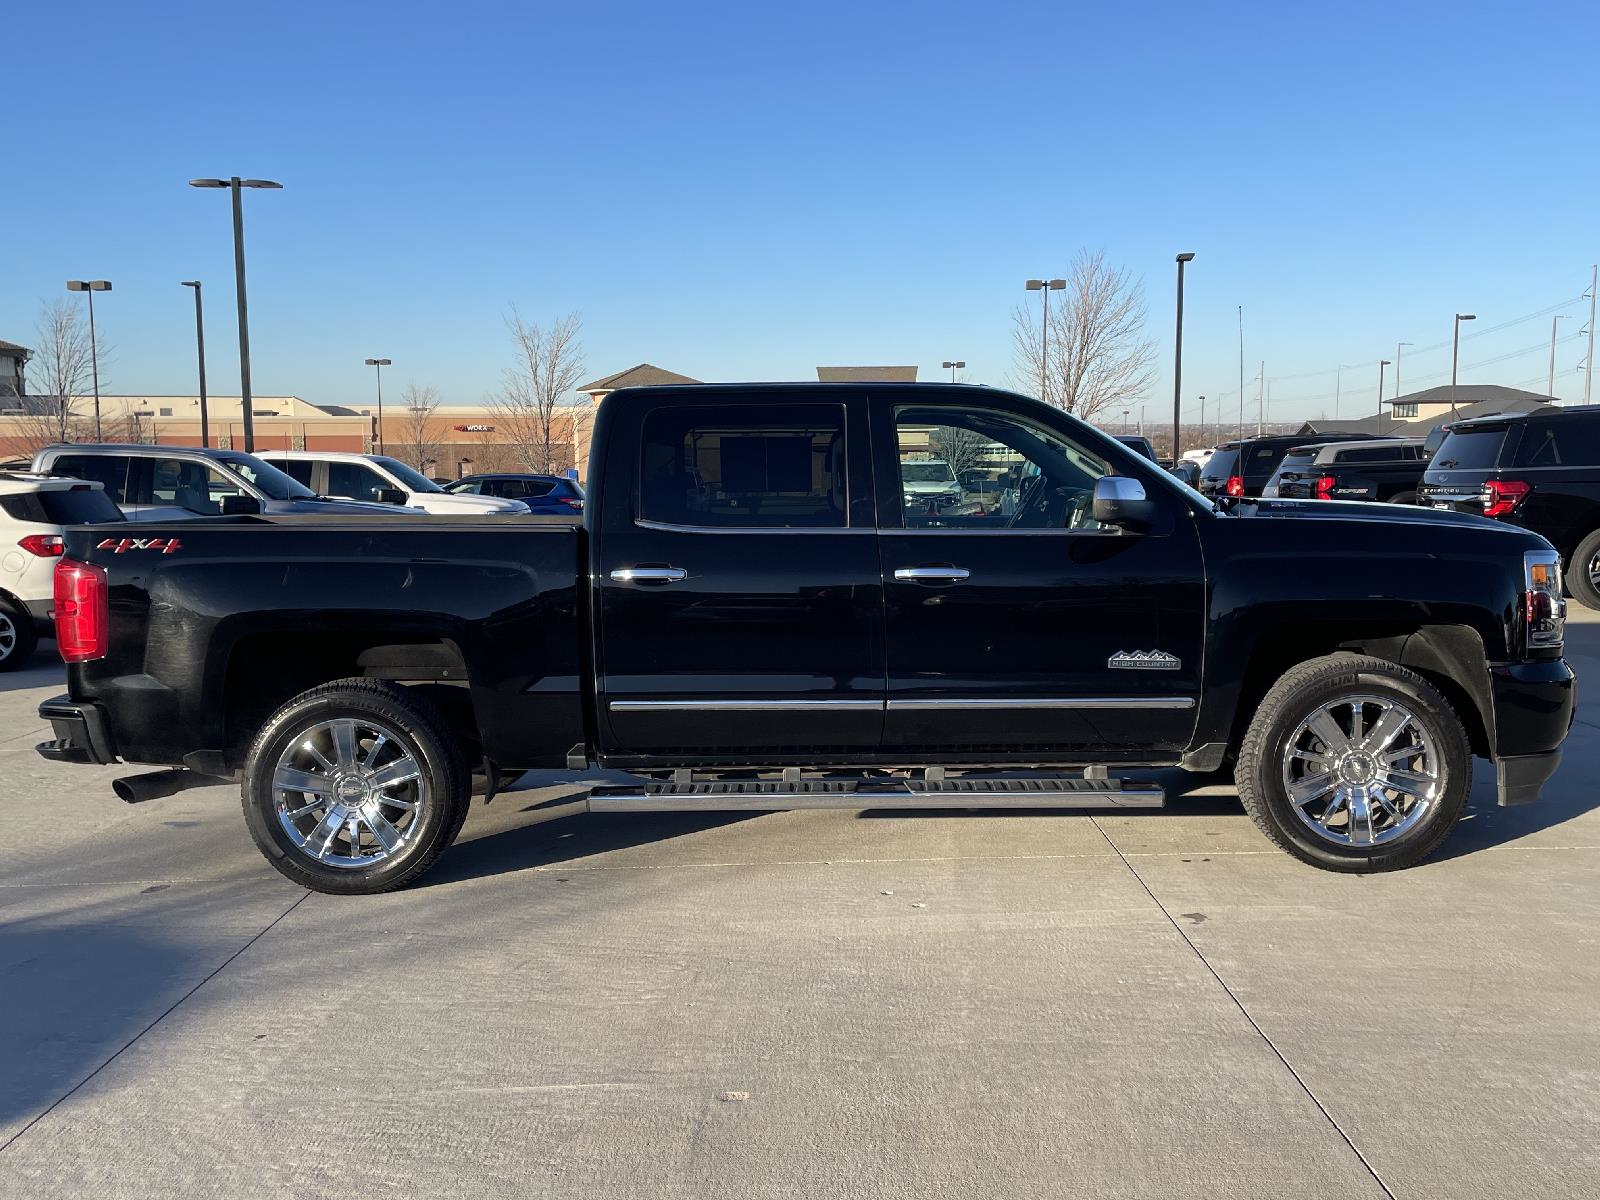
(82, 733)
(1534, 704)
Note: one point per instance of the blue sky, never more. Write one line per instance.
(746, 191)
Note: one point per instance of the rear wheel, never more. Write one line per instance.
(1354, 764)
(355, 787)
(1583, 573)
(18, 639)
(1403, 498)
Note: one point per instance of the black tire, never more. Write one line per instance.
(1579, 582)
(1293, 699)
(1403, 498)
(419, 731)
(18, 637)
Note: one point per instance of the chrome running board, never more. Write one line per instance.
(963, 791)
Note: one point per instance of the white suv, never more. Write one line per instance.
(378, 477)
(34, 510)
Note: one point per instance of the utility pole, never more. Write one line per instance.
(1397, 346)
(1338, 381)
(1381, 365)
(1551, 387)
(1261, 385)
(1588, 362)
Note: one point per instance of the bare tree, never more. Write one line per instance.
(962, 448)
(416, 422)
(59, 373)
(533, 392)
(1099, 354)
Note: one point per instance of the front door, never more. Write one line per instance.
(1016, 623)
(739, 601)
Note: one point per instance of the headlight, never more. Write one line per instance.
(1543, 609)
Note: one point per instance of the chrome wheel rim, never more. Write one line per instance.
(349, 793)
(8, 636)
(1361, 770)
(1594, 571)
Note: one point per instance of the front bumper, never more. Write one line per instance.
(1534, 704)
(82, 733)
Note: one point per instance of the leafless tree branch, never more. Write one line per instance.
(541, 425)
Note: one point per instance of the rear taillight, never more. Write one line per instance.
(1544, 611)
(571, 501)
(45, 545)
(81, 616)
(1325, 488)
(1234, 486)
(1501, 496)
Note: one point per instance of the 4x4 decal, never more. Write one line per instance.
(123, 545)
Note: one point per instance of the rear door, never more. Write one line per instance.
(1019, 625)
(1468, 457)
(739, 604)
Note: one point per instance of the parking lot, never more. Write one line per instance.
(802, 1004)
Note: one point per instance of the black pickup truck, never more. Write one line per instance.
(750, 616)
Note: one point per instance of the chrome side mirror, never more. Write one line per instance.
(1120, 500)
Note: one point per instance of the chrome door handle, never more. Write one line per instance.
(649, 574)
(931, 574)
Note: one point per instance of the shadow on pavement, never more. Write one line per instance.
(44, 669)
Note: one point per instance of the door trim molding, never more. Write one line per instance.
(1044, 702)
(934, 705)
(744, 705)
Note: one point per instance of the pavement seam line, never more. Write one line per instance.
(1245, 1012)
(173, 1007)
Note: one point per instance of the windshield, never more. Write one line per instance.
(1470, 448)
(264, 477)
(927, 472)
(410, 476)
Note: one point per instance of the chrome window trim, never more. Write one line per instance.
(667, 527)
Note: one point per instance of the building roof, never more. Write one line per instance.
(1471, 393)
(11, 349)
(1394, 427)
(643, 375)
(866, 374)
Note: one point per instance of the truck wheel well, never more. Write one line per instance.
(1451, 657)
(261, 678)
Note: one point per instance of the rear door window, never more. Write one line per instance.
(355, 481)
(111, 470)
(1220, 465)
(758, 466)
(1563, 442)
(1470, 448)
(298, 469)
(1263, 459)
(1297, 463)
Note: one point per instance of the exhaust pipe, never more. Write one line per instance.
(136, 789)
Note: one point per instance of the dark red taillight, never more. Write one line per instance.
(1234, 486)
(1501, 496)
(45, 545)
(81, 617)
(571, 501)
(1325, 487)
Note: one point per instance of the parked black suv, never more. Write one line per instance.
(1386, 470)
(1539, 470)
(1243, 468)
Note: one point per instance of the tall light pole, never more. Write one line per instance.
(1261, 399)
(200, 349)
(1455, 355)
(91, 286)
(1551, 388)
(235, 184)
(1177, 357)
(1382, 363)
(1202, 428)
(379, 364)
(951, 365)
(1397, 347)
(1046, 286)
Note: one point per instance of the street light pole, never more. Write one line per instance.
(953, 366)
(200, 346)
(1382, 363)
(1045, 286)
(91, 286)
(1177, 358)
(1551, 387)
(1397, 347)
(379, 364)
(1455, 355)
(235, 184)
(1202, 428)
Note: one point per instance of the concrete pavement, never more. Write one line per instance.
(796, 1005)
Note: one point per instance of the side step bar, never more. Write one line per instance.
(1003, 791)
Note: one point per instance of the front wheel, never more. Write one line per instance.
(18, 639)
(1354, 764)
(355, 787)
(1583, 573)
